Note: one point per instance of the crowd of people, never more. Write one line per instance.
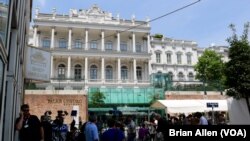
(31, 128)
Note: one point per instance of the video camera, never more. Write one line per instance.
(60, 117)
(46, 116)
(61, 113)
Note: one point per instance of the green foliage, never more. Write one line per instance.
(158, 36)
(97, 99)
(209, 67)
(237, 70)
(30, 86)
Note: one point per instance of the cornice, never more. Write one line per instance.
(100, 26)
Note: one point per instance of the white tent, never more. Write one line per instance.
(188, 106)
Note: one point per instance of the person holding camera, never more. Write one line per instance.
(47, 125)
(29, 126)
(59, 129)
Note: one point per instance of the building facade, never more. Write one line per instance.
(175, 57)
(92, 50)
(15, 17)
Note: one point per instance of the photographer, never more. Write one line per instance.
(59, 129)
(47, 125)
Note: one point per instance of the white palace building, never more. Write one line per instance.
(94, 49)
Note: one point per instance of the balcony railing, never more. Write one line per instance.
(95, 50)
(79, 83)
(190, 86)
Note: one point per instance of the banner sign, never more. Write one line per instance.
(37, 64)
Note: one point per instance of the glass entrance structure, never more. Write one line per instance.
(130, 100)
(127, 96)
(122, 102)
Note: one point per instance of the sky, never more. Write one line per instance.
(205, 22)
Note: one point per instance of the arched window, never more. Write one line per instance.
(93, 72)
(171, 76)
(109, 73)
(61, 71)
(139, 73)
(46, 43)
(124, 73)
(190, 76)
(62, 43)
(78, 72)
(180, 76)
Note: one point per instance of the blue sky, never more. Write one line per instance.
(206, 22)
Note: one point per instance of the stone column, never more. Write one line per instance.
(103, 71)
(52, 37)
(70, 39)
(69, 67)
(118, 41)
(51, 66)
(102, 40)
(134, 66)
(86, 39)
(148, 43)
(133, 41)
(119, 70)
(86, 70)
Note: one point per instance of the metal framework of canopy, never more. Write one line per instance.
(189, 106)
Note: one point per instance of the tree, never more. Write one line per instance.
(97, 99)
(237, 70)
(209, 67)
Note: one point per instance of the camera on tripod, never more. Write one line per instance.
(60, 117)
(46, 116)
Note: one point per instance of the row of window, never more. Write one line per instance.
(169, 58)
(109, 73)
(93, 44)
(181, 77)
(94, 72)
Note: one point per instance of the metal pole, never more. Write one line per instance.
(212, 114)
(148, 114)
(220, 88)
